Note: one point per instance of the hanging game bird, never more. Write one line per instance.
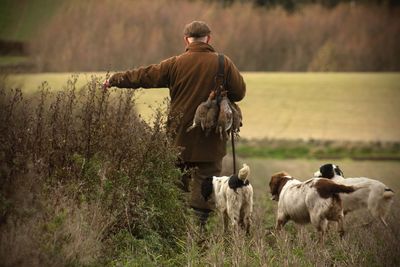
(237, 118)
(225, 116)
(212, 115)
(205, 114)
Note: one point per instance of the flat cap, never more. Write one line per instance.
(196, 29)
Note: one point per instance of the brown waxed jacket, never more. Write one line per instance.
(190, 78)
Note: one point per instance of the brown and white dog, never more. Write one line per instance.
(373, 195)
(233, 197)
(314, 201)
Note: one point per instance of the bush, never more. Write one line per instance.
(88, 177)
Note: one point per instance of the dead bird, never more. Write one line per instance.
(211, 118)
(225, 116)
(237, 118)
(200, 117)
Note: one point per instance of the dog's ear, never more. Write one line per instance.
(338, 171)
(327, 171)
(207, 188)
(275, 182)
(273, 186)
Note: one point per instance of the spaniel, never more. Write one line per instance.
(373, 195)
(314, 201)
(233, 198)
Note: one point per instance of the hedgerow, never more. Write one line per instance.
(86, 179)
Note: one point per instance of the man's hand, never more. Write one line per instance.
(106, 84)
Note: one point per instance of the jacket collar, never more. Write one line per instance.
(199, 47)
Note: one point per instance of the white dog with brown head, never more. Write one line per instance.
(314, 201)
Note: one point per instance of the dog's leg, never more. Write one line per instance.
(382, 210)
(280, 222)
(320, 223)
(384, 221)
(234, 218)
(245, 215)
(225, 218)
(379, 208)
(333, 225)
(340, 226)
(321, 238)
(233, 204)
(233, 213)
(247, 223)
(323, 224)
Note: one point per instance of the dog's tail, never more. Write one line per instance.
(327, 188)
(244, 172)
(388, 194)
(191, 127)
(340, 188)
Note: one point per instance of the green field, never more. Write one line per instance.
(334, 106)
(349, 106)
(262, 169)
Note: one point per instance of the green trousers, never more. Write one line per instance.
(192, 181)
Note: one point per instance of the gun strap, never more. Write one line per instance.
(220, 80)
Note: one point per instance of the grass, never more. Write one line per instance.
(338, 106)
(297, 245)
(317, 149)
(333, 106)
(88, 188)
(262, 169)
(13, 60)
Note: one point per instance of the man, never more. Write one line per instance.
(190, 78)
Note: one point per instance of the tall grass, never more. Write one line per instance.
(85, 180)
(103, 35)
(363, 245)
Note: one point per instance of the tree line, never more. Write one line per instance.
(292, 5)
(114, 35)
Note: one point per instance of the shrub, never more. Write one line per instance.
(101, 181)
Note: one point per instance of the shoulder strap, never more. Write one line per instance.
(220, 78)
(221, 65)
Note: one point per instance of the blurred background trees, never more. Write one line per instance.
(291, 5)
(259, 35)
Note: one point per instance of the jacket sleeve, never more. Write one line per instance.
(234, 82)
(153, 76)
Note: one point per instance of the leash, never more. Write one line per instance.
(221, 74)
(233, 151)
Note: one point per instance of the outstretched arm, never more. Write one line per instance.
(153, 76)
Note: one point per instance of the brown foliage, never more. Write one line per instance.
(104, 35)
(80, 169)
